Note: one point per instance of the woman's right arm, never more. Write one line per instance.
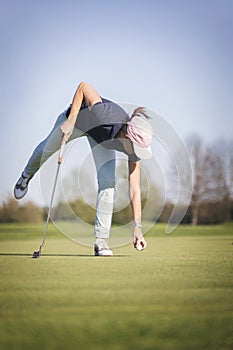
(135, 198)
(91, 96)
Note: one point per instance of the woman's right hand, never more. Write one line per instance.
(138, 238)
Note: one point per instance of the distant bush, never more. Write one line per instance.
(12, 212)
(69, 211)
(210, 213)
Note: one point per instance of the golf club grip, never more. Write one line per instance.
(61, 152)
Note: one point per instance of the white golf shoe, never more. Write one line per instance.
(101, 248)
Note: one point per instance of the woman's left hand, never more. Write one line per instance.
(67, 129)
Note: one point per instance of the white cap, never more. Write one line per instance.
(140, 133)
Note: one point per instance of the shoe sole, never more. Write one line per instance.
(24, 192)
(97, 254)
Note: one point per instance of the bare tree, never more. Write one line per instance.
(224, 174)
(201, 160)
(212, 175)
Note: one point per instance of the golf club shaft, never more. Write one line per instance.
(50, 207)
(60, 155)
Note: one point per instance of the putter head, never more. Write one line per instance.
(36, 254)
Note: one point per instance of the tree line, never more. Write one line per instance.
(211, 201)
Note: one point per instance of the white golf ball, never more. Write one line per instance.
(139, 247)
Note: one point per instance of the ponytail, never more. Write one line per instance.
(140, 111)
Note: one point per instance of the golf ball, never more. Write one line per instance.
(139, 246)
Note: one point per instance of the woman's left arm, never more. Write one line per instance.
(91, 96)
(135, 199)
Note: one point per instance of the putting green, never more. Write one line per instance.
(177, 294)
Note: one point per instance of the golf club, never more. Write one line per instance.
(37, 254)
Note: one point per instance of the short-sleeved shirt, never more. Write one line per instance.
(102, 122)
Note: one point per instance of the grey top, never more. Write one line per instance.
(102, 122)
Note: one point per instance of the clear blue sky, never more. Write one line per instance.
(172, 56)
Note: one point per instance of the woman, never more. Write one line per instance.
(108, 128)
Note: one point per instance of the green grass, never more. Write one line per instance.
(177, 294)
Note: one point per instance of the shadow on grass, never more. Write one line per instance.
(62, 255)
